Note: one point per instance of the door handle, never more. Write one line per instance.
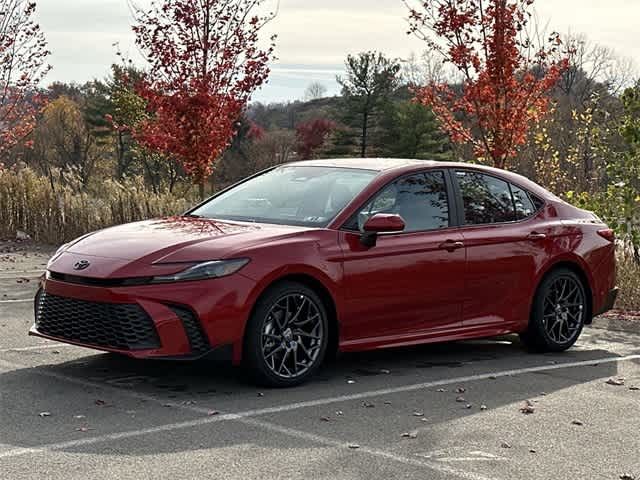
(536, 236)
(451, 246)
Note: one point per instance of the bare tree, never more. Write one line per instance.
(314, 91)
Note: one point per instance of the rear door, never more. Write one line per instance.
(500, 230)
(410, 282)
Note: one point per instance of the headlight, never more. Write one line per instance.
(202, 271)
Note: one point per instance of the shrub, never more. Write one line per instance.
(54, 212)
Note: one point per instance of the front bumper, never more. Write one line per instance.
(189, 319)
(609, 301)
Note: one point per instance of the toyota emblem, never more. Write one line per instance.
(81, 265)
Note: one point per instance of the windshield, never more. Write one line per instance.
(290, 195)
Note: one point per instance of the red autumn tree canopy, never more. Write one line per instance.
(506, 80)
(311, 136)
(206, 62)
(23, 53)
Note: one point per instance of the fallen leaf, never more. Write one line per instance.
(353, 446)
(418, 414)
(44, 414)
(483, 407)
(532, 450)
(492, 377)
(527, 408)
(260, 394)
(100, 403)
(325, 419)
(460, 390)
(441, 390)
(634, 388)
(410, 435)
(167, 405)
(387, 402)
(368, 405)
(543, 394)
(505, 445)
(460, 399)
(213, 413)
(468, 406)
(385, 371)
(339, 413)
(577, 422)
(55, 352)
(626, 476)
(616, 382)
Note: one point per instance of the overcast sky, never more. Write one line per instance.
(313, 37)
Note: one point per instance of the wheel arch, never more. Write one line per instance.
(310, 280)
(577, 267)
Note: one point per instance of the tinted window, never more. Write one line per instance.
(486, 199)
(421, 200)
(523, 204)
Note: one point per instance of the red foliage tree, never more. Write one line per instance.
(205, 64)
(23, 53)
(506, 80)
(311, 136)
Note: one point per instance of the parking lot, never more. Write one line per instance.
(469, 410)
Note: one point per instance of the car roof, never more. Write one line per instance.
(401, 166)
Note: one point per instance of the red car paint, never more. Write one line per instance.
(456, 283)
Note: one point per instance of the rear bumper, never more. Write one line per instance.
(609, 301)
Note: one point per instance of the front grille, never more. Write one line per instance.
(109, 325)
(197, 339)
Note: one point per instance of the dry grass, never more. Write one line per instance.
(629, 283)
(58, 213)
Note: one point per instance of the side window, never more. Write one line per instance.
(486, 199)
(522, 202)
(420, 199)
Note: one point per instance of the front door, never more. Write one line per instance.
(410, 283)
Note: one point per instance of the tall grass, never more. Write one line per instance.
(53, 212)
(628, 274)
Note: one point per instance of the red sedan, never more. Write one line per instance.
(308, 258)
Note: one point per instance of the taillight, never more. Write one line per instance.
(607, 234)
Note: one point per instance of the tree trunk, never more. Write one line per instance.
(201, 189)
(363, 144)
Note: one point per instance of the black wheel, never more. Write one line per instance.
(559, 313)
(287, 335)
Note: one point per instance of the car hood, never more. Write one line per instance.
(175, 240)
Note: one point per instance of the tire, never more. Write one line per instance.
(558, 314)
(287, 336)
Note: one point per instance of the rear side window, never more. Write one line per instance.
(486, 199)
(523, 204)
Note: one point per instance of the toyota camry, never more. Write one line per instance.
(306, 259)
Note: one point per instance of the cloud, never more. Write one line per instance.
(313, 37)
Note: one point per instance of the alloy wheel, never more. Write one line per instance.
(564, 310)
(292, 336)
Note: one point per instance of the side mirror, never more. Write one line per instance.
(380, 223)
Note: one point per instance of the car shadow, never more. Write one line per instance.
(207, 382)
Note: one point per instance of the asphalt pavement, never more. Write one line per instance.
(467, 410)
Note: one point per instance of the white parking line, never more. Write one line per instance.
(48, 346)
(269, 410)
(26, 300)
